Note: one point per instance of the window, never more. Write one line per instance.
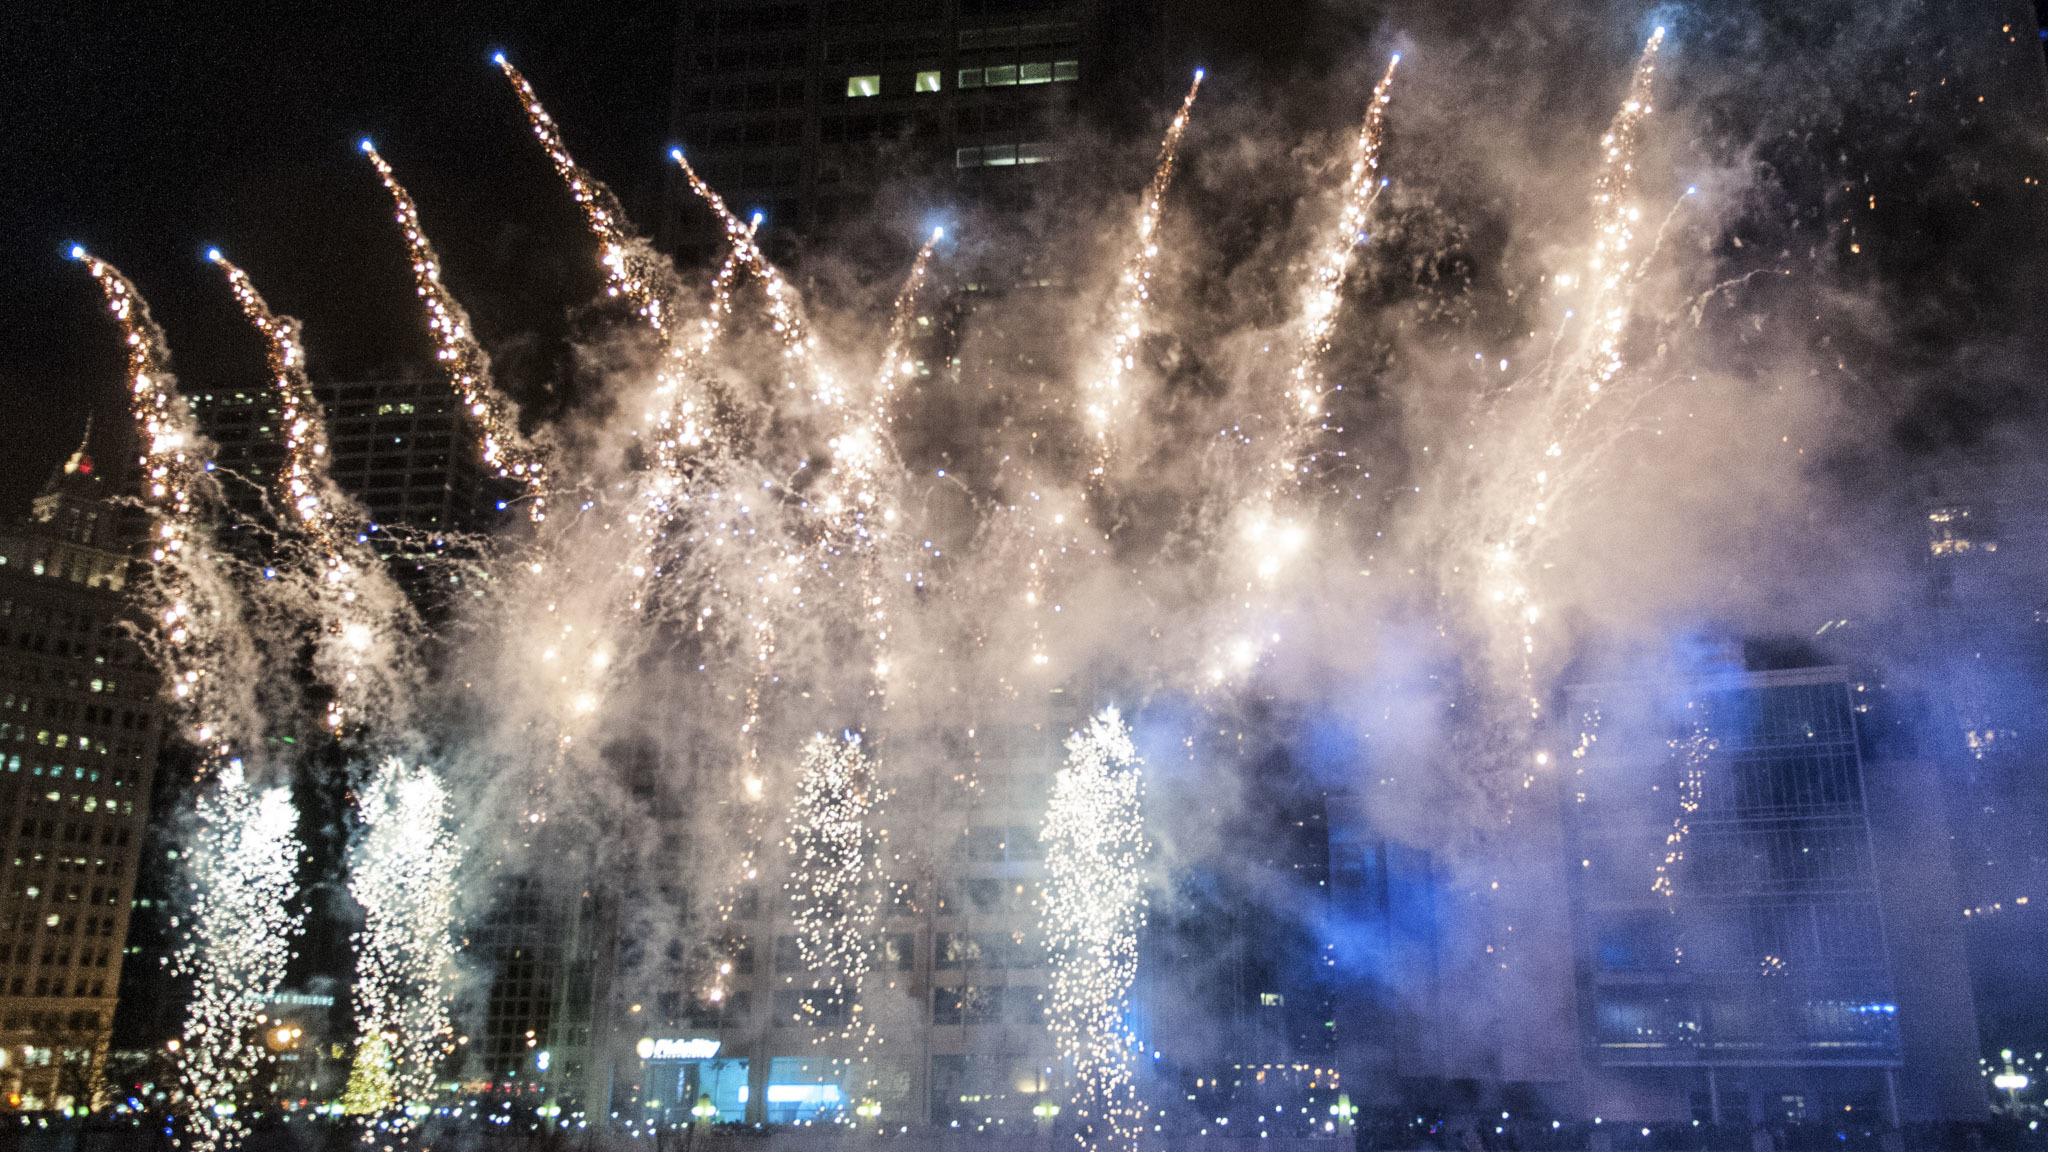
(928, 82)
(857, 86)
(1004, 76)
(1034, 74)
(1271, 1000)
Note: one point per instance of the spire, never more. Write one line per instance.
(81, 461)
(76, 473)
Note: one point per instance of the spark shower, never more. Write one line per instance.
(741, 562)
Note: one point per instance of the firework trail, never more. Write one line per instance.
(1269, 526)
(834, 876)
(1561, 450)
(1106, 404)
(860, 501)
(402, 871)
(1094, 835)
(365, 623)
(1326, 288)
(505, 450)
(238, 937)
(200, 640)
(633, 269)
(785, 307)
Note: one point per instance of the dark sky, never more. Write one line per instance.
(149, 130)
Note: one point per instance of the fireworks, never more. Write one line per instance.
(402, 872)
(1559, 449)
(785, 312)
(355, 604)
(750, 531)
(469, 367)
(1094, 904)
(1326, 284)
(834, 879)
(238, 934)
(199, 638)
(633, 270)
(1106, 402)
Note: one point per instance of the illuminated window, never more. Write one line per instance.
(1034, 74)
(1001, 77)
(970, 78)
(1271, 1000)
(928, 82)
(1066, 70)
(863, 86)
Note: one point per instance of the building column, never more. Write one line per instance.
(757, 1082)
(1891, 1096)
(1713, 1096)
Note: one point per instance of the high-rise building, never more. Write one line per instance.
(804, 110)
(1762, 904)
(80, 726)
(1983, 637)
(399, 447)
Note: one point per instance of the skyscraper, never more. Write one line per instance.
(804, 109)
(80, 726)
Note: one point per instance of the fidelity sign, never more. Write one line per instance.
(672, 1049)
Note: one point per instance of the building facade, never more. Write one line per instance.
(80, 727)
(1762, 925)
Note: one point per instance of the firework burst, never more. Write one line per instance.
(834, 876)
(402, 871)
(237, 938)
(1094, 835)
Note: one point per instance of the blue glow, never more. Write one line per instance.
(498, 58)
(213, 254)
(366, 145)
(1201, 72)
(676, 154)
(78, 251)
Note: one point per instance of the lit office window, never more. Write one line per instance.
(1034, 74)
(970, 78)
(1066, 70)
(928, 82)
(863, 86)
(1004, 76)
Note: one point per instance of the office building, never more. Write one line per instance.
(809, 110)
(1981, 629)
(1763, 911)
(80, 727)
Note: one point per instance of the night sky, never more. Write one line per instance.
(149, 131)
